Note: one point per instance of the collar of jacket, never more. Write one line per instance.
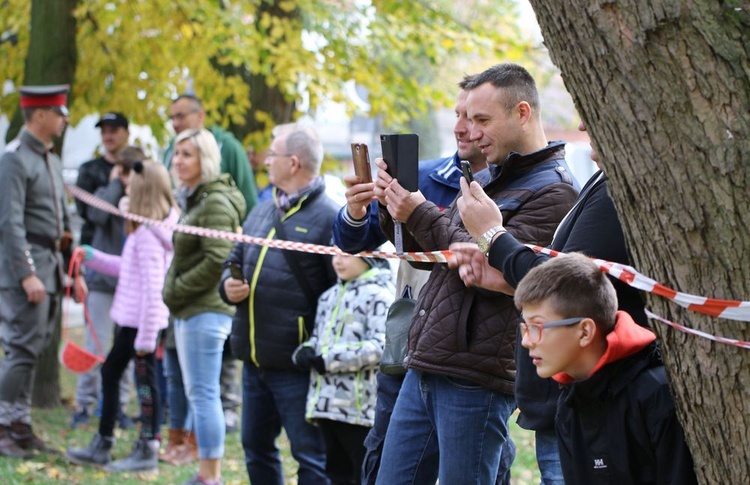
(286, 202)
(612, 379)
(448, 172)
(516, 162)
(37, 145)
(221, 182)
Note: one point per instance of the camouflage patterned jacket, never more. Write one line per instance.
(349, 333)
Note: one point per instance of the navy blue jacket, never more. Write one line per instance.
(277, 316)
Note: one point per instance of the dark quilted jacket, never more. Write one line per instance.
(471, 333)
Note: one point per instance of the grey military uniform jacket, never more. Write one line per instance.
(33, 214)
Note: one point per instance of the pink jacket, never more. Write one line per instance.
(141, 270)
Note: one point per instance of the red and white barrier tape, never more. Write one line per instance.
(731, 310)
(87, 198)
(692, 331)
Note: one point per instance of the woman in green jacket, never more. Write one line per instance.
(202, 321)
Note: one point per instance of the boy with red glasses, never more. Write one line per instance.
(616, 420)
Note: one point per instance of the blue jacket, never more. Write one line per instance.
(438, 182)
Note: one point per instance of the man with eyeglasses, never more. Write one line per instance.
(34, 231)
(187, 113)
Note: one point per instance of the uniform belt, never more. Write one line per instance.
(43, 241)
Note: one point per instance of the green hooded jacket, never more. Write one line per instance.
(193, 277)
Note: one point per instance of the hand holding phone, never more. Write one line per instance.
(466, 169)
(361, 159)
(236, 272)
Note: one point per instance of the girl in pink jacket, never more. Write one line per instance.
(140, 312)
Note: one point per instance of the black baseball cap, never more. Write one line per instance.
(113, 119)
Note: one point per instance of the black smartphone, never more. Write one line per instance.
(361, 159)
(236, 271)
(466, 169)
(401, 154)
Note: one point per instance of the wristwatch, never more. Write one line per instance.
(485, 240)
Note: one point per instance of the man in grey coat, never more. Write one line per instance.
(33, 230)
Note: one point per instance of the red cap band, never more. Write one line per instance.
(38, 101)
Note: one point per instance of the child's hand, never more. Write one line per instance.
(304, 357)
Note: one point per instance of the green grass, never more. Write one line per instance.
(52, 426)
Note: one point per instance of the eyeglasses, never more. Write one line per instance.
(273, 154)
(534, 330)
(181, 116)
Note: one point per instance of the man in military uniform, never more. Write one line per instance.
(33, 223)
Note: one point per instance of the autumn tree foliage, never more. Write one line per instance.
(258, 63)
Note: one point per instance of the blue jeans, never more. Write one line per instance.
(179, 411)
(200, 344)
(469, 424)
(272, 399)
(548, 457)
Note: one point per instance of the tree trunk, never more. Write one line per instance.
(266, 99)
(51, 59)
(664, 89)
(52, 55)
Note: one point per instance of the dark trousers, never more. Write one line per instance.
(345, 451)
(388, 388)
(145, 383)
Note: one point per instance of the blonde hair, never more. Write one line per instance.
(209, 155)
(150, 192)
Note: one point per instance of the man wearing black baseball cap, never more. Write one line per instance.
(33, 233)
(106, 178)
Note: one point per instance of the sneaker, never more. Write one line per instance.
(198, 480)
(124, 421)
(231, 420)
(143, 458)
(98, 452)
(80, 417)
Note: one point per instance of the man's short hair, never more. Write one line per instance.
(208, 151)
(574, 286)
(514, 80)
(194, 100)
(466, 81)
(304, 142)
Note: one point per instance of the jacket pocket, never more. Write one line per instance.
(462, 329)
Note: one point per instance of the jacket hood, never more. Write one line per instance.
(626, 339)
(162, 233)
(223, 183)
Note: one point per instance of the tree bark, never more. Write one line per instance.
(52, 55)
(263, 97)
(51, 59)
(664, 89)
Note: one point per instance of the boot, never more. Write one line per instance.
(98, 453)
(175, 440)
(25, 438)
(142, 458)
(188, 452)
(8, 446)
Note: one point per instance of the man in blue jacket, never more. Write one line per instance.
(356, 228)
